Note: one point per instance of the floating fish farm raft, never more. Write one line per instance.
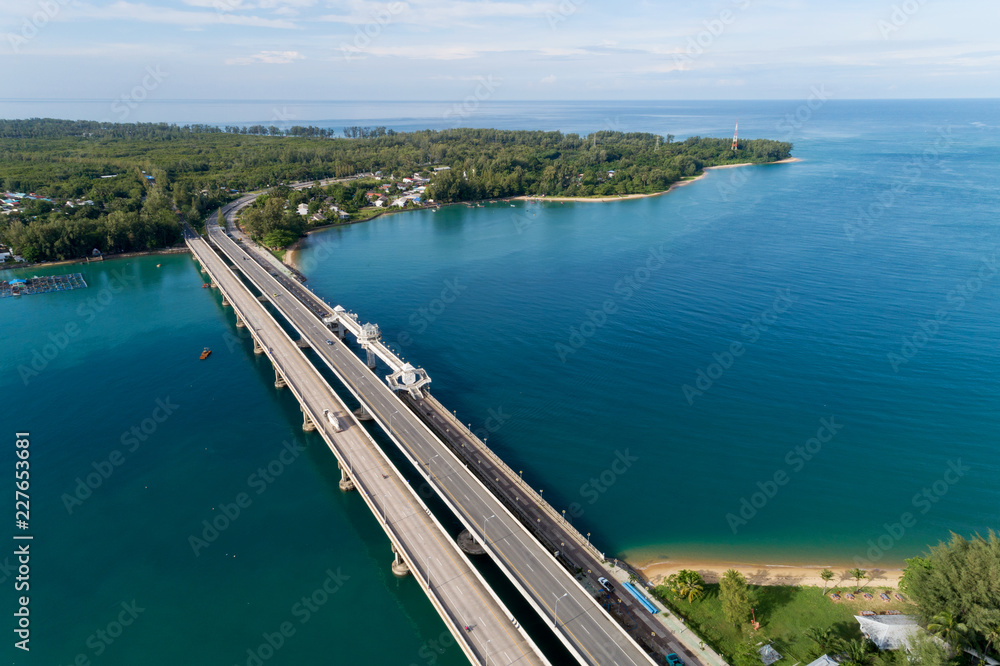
(41, 284)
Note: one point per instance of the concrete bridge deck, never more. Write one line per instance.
(590, 634)
(422, 546)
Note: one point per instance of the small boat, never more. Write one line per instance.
(205, 354)
(204, 286)
(157, 265)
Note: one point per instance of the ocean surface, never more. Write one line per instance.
(782, 364)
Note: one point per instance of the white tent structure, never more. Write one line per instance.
(889, 632)
(825, 660)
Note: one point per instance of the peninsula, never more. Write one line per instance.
(72, 187)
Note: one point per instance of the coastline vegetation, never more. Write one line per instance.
(139, 177)
(953, 591)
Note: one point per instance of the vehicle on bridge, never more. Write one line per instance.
(334, 421)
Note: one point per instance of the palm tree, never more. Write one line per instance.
(824, 638)
(858, 575)
(827, 576)
(946, 626)
(856, 650)
(687, 584)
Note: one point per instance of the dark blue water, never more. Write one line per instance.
(859, 287)
(570, 333)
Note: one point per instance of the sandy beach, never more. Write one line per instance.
(680, 183)
(769, 574)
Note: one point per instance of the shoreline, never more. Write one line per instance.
(674, 186)
(182, 249)
(292, 250)
(657, 571)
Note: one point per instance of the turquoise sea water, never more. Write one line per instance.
(578, 325)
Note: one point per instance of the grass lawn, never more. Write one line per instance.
(785, 613)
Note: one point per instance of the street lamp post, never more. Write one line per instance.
(555, 611)
(486, 520)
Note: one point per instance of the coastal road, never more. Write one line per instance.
(575, 616)
(456, 589)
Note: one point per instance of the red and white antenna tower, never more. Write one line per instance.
(736, 132)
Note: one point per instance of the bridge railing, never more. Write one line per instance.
(534, 495)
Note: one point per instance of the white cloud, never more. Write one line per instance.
(548, 80)
(128, 11)
(267, 58)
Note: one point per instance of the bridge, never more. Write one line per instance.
(558, 536)
(420, 543)
(533, 545)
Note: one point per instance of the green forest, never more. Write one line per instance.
(138, 178)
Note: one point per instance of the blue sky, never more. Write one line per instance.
(538, 49)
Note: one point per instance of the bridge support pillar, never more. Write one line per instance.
(279, 381)
(362, 414)
(399, 566)
(257, 349)
(225, 301)
(371, 358)
(307, 423)
(346, 483)
(214, 285)
(341, 331)
(240, 323)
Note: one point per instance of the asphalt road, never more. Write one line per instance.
(460, 594)
(577, 619)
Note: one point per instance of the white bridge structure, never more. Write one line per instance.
(404, 376)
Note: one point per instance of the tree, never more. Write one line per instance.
(827, 576)
(825, 639)
(926, 651)
(856, 650)
(858, 575)
(958, 584)
(947, 627)
(735, 597)
(687, 584)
